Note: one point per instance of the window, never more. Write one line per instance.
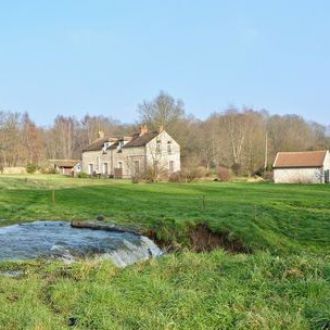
(136, 167)
(105, 147)
(120, 164)
(171, 166)
(169, 147)
(120, 146)
(105, 168)
(158, 146)
(90, 169)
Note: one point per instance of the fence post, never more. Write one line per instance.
(53, 197)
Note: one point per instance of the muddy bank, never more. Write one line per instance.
(203, 239)
(197, 238)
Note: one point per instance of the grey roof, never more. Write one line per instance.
(96, 145)
(140, 141)
(136, 141)
(64, 162)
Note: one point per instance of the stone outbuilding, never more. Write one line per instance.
(65, 166)
(132, 156)
(302, 167)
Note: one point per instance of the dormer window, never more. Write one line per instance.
(158, 146)
(106, 145)
(169, 147)
(120, 146)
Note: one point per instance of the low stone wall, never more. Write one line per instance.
(14, 170)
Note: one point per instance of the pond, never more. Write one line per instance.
(57, 239)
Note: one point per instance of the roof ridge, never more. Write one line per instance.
(297, 152)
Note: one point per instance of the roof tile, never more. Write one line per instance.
(300, 159)
(136, 141)
(140, 141)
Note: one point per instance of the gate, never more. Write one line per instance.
(327, 176)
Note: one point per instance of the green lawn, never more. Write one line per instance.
(283, 284)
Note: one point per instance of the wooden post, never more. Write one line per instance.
(266, 152)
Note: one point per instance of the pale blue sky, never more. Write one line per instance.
(104, 57)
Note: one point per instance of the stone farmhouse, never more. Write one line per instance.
(131, 156)
(302, 167)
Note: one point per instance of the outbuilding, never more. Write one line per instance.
(302, 167)
(66, 166)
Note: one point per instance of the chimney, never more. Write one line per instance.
(101, 134)
(143, 129)
(161, 128)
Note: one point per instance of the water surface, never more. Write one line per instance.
(57, 239)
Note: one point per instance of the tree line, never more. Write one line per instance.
(245, 140)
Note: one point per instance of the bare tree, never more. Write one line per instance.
(163, 111)
(235, 137)
(32, 142)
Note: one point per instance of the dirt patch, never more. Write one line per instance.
(200, 238)
(204, 240)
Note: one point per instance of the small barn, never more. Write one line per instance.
(302, 167)
(66, 166)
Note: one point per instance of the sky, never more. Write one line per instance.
(74, 57)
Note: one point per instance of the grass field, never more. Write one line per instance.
(283, 284)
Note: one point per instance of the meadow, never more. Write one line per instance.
(283, 282)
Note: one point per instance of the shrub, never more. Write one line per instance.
(52, 170)
(223, 173)
(150, 174)
(268, 175)
(47, 170)
(236, 167)
(135, 179)
(31, 168)
(259, 172)
(96, 175)
(192, 173)
(154, 173)
(82, 175)
(175, 177)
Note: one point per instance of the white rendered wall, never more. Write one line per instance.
(298, 175)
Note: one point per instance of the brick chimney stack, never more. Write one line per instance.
(143, 130)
